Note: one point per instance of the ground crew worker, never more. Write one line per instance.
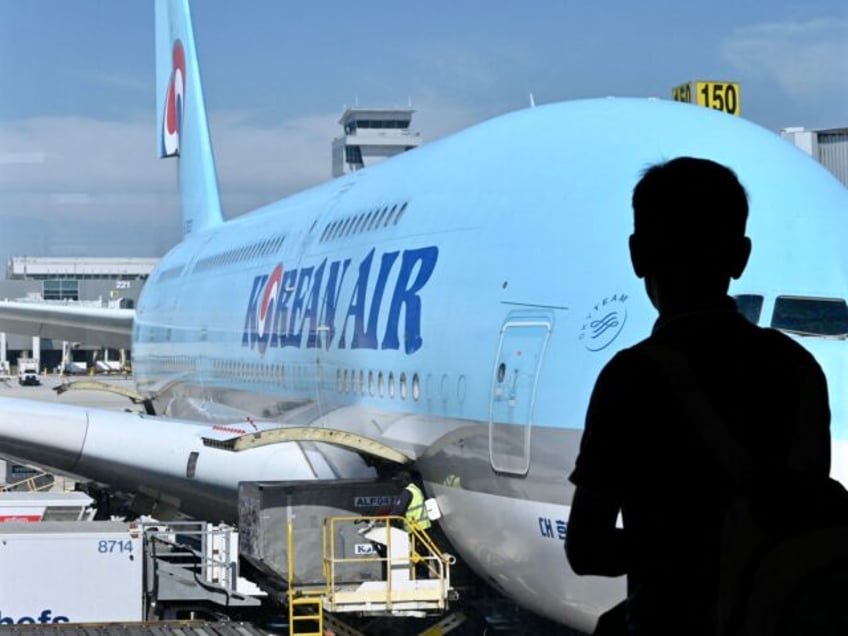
(409, 504)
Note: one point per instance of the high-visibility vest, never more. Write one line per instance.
(416, 511)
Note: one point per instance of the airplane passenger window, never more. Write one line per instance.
(381, 385)
(362, 382)
(811, 316)
(403, 385)
(375, 213)
(750, 306)
(416, 387)
(392, 385)
(371, 383)
(400, 213)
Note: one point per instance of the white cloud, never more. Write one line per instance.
(91, 165)
(275, 159)
(103, 177)
(807, 59)
(115, 80)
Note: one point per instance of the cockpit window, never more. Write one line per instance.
(811, 316)
(750, 306)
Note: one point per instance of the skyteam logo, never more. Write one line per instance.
(174, 102)
(604, 322)
(375, 304)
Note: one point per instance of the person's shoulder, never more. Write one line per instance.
(780, 344)
(625, 366)
(630, 355)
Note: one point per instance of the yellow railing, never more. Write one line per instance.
(421, 550)
(306, 605)
(311, 602)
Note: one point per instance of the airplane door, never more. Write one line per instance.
(521, 348)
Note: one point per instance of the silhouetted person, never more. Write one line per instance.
(640, 454)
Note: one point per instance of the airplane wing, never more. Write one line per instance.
(109, 327)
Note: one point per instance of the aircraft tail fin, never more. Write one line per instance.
(182, 129)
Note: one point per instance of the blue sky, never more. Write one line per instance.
(78, 173)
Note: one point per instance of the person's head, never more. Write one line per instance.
(404, 477)
(689, 230)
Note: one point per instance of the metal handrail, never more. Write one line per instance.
(436, 560)
(224, 564)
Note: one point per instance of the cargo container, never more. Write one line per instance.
(266, 507)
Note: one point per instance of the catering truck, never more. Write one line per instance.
(70, 572)
(28, 372)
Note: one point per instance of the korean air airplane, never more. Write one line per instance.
(452, 306)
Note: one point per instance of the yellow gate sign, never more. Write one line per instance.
(724, 96)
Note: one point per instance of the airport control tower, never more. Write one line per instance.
(370, 135)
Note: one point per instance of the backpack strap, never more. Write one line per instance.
(701, 413)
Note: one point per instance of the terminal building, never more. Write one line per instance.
(104, 282)
(829, 146)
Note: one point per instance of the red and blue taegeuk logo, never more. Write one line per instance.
(174, 103)
(266, 307)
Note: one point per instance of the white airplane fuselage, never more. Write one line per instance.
(458, 302)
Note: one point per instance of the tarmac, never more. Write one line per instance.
(46, 392)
